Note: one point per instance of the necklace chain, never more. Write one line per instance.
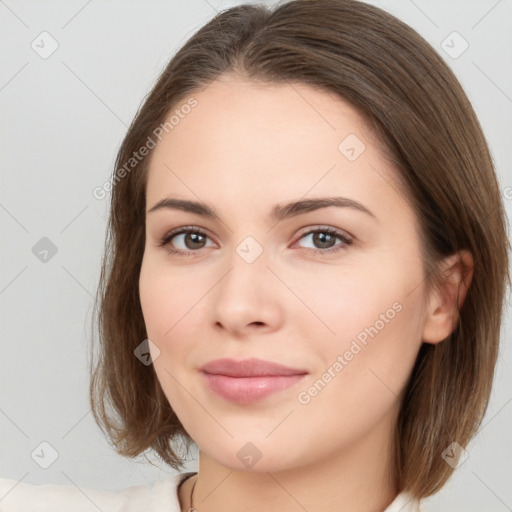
(191, 508)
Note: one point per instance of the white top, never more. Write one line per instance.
(162, 496)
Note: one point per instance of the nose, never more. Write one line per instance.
(248, 297)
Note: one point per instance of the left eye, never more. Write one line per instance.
(325, 237)
(194, 239)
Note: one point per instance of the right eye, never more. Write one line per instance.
(192, 238)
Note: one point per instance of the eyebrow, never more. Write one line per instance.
(278, 213)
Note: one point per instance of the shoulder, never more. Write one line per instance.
(404, 502)
(18, 496)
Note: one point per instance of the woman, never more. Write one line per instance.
(304, 273)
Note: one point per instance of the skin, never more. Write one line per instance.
(244, 148)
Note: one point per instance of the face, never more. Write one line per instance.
(334, 291)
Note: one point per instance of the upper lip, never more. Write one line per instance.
(248, 368)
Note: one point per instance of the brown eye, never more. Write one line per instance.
(194, 240)
(324, 239)
(184, 241)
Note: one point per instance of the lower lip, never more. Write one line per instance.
(245, 390)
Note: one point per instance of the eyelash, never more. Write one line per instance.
(165, 240)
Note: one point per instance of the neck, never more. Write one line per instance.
(360, 477)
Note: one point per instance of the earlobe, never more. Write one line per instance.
(442, 313)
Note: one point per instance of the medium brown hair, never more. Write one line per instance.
(421, 114)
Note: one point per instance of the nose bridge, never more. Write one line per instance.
(250, 250)
(247, 266)
(245, 294)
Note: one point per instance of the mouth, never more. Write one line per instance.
(249, 380)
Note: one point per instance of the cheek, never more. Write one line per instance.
(370, 315)
(167, 296)
(165, 302)
(174, 318)
(345, 302)
(364, 369)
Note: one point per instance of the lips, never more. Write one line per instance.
(249, 380)
(249, 368)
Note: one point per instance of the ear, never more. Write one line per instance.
(442, 313)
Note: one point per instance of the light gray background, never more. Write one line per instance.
(62, 121)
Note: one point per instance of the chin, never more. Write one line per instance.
(254, 456)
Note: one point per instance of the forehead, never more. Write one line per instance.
(251, 116)
(250, 142)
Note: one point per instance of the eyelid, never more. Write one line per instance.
(324, 227)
